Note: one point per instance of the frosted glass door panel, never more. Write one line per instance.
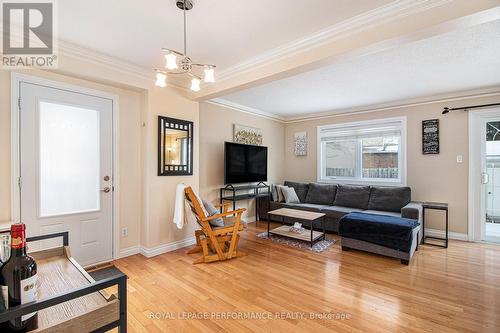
(69, 158)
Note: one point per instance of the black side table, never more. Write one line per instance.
(435, 206)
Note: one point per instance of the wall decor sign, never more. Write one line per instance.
(300, 139)
(430, 136)
(247, 135)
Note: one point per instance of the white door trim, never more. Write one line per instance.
(475, 217)
(16, 79)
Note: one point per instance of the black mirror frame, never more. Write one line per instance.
(178, 124)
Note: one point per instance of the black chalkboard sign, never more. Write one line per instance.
(430, 136)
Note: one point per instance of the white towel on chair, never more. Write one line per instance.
(180, 217)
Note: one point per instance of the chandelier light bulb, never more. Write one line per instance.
(209, 75)
(195, 84)
(171, 61)
(161, 80)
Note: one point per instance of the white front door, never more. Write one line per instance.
(66, 164)
(484, 174)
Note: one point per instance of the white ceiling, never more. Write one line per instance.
(460, 60)
(222, 32)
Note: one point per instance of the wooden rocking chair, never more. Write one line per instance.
(216, 243)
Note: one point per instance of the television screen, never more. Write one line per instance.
(244, 163)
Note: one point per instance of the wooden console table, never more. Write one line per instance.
(70, 300)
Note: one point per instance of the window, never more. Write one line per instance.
(69, 159)
(365, 152)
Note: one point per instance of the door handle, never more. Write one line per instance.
(485, 178)
(106, 189)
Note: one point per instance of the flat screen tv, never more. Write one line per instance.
(244, 163)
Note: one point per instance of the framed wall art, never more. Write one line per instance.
(430, 136)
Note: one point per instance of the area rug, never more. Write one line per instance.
(319, 246)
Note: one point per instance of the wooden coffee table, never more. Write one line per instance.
(297, 216)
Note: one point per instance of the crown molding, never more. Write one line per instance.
(441, 98)
(245, 109)
(143, 74)
(378, 16)
(368, 20)
(87, 55)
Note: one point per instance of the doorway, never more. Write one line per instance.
(65, 168)
(484, 175)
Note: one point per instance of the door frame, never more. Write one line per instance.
(476, 196)
(16, 80)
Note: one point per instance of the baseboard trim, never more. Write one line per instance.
(249, 219)
(164, 248)
(129, 251)
(442, 234)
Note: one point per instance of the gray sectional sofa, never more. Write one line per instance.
(337, 200)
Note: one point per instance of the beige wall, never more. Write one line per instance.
(158, 227)
(431, 177)
(216, 126)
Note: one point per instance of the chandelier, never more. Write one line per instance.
(178, 63)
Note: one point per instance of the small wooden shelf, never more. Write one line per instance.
(284, 230)
(69, 299)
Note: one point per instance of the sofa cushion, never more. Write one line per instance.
(307, 206)
(290, 195)
(337, 212)
(382, 212)
(300, 188)
(390, 199)
(321, 194)
(352, 196)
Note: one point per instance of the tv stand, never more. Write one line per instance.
(230, 193)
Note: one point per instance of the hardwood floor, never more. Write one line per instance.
(442, 290)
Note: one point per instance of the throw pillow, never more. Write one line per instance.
(300, 189)
(289, 195)
(274, 193)
(279, 188)
(211, 210)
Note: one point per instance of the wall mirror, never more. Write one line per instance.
(175, 147)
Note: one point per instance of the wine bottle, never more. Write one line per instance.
(19, 276)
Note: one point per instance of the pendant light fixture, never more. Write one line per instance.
(179, 63)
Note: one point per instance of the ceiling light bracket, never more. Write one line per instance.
(187, 3)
